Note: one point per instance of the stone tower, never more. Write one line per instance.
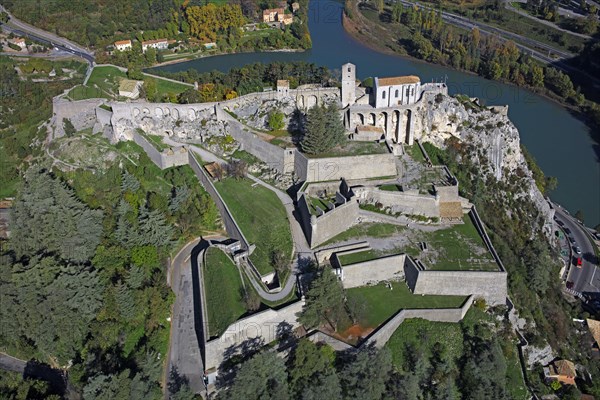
(348, 84)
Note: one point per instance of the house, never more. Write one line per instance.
(561, 370)
(398, 90)
(123, 45)
(277, 15)
(130, 88)
(19, 42)
(295, 7)
(158, 44)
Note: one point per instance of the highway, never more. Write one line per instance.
(21, 28)
(586, 279)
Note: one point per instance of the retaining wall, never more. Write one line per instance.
(260, 328)
(325, 254)
(372, 271)
(352, 167)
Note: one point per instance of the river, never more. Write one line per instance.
(560, 143)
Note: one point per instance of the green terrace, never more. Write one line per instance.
(352, 148)
(155, 140)
(457, 248)
(314, 202)
(358, 257)
(374, 305)
(262, 218)
(223, 287)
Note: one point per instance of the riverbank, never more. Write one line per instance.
(378, 38)
(216, 54)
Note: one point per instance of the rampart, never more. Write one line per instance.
(489, 285)
(167, 158)
(372, 271)
(351, 167)
(258, 329)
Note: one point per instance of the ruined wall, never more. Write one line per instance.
(263, 327)
(352, 167)
(373, 271)
(404, 202)
(82, 114)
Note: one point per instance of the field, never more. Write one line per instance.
(379, 303)
(104, 83)
(261, 217)
(223, 287)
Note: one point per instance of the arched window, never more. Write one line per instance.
(396, 92)
(349, 69)
(383, 95)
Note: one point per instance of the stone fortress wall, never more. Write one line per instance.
(387, 268)
(167, 158)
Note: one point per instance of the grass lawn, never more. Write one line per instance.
(262, 218)
(514, 377)
(391, 187)
(456, 249)
(365, 230)
(415, 153)
(315, 202)
(223, 287)
(358, 257)
(164, 86)
(351, 148)
(381, 303)
(81, 92)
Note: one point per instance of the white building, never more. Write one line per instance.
(398, 90)
(158, 44)
(123, 45)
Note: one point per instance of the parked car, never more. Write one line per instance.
(577, 250)
(579, 262)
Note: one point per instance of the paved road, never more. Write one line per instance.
(509, 7)
(187, 327)
(587, 278)
(24, 29)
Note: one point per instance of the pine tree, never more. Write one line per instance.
(324, 129)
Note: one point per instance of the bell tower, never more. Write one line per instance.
(348, 84)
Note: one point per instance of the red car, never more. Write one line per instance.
(579, 262)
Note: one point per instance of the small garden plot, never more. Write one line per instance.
(224, 290)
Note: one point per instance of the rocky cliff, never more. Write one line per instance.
(492, 134)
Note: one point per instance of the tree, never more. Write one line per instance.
(68, 127)
(366, 375)
(264, 376)
(324, 129)
(49, 219)
(324, 301)
(312, 375)
(150, 89)
(276, 120)
(237, 169)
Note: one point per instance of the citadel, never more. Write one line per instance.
(331, 194)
